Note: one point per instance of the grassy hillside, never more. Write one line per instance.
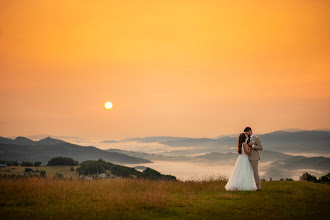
(146, 199)
(89, 168)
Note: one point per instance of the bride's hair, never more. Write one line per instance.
(241, 140)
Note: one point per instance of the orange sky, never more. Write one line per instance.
(180, 68)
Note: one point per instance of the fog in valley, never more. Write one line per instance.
(284, 155)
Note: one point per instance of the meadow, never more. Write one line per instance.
(125, 198)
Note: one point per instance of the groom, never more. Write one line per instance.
(254, 157)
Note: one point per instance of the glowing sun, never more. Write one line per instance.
(108, 105)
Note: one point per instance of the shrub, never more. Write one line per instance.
(37, 164)
(43, 173)
(59, 175)
(28, 170)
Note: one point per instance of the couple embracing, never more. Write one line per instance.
(245, 176)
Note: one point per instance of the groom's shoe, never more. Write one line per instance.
(258, 189)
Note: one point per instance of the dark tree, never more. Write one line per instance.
(325, 179)
(308, 177)
(149, 173)
(9, 163)
(57, 161)
(37, 164)
(91, 167)
(43, 173)
(28, 170)
(26, 164)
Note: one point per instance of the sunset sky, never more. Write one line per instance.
(170, 68)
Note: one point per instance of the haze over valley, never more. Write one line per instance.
(286, 154)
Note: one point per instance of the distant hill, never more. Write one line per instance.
(266, 156)
(110, 141)
(152, 139)
(190, 142)
(292, 130)
(24, 149)
(26, 141)
(327, 130)
(298, 164)
(152, 157)
(281, 141)
(302, 141)
(130, 153)
(284, 141)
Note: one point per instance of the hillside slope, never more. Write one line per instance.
(47, 148)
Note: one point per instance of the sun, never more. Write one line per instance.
(108, 105)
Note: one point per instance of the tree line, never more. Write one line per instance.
(23, 164)
(91, 167)
(56, 161)
(311, 178)
(59, 161)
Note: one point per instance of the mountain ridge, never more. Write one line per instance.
(20, 140)
(47, 148)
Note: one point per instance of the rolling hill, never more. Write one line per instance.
(280, 141)
(152, 139)
(297, 164)
(266, 156)
(24, 149)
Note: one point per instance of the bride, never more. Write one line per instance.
(242, 177)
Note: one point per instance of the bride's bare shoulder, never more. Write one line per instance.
(246, 148)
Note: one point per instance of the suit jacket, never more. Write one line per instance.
(254, 154)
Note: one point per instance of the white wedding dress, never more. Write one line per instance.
(242, 177)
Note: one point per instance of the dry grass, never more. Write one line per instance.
(147, 199)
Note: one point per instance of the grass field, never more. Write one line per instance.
(145, 199)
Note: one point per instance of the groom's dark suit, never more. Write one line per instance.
(254, 158)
